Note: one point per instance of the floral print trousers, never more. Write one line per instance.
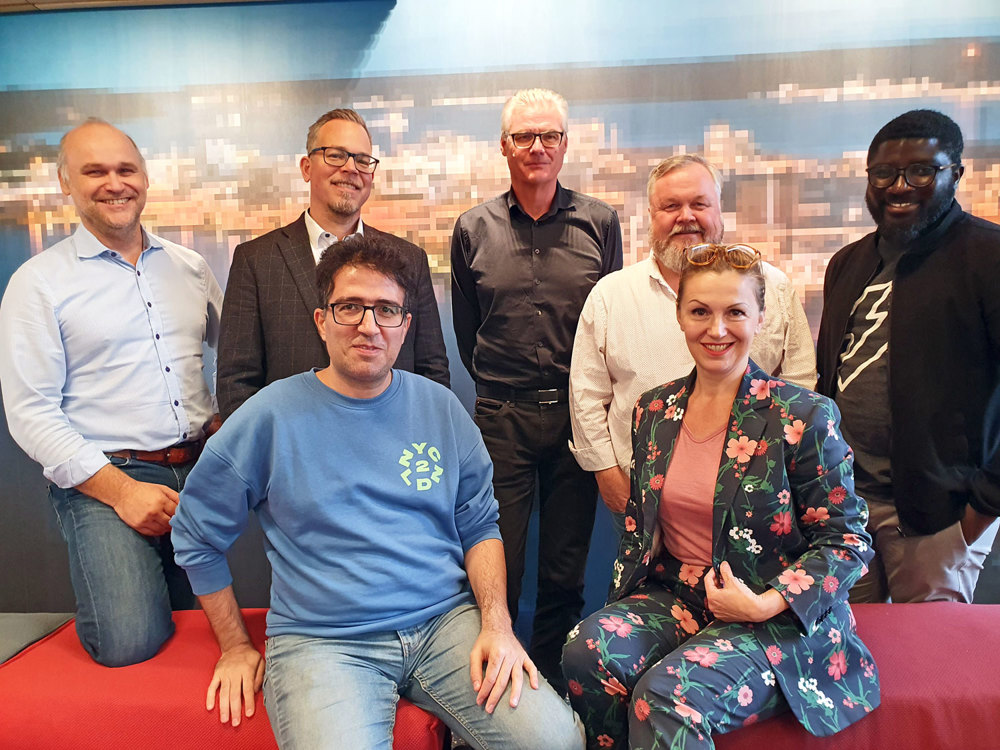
(654, 670)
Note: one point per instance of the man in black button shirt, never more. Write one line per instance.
(909, 346)
(522, 267)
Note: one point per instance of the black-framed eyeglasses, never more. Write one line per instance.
(337, 157)
(738, 256)
(916, 175)
(549, 139)
(352, 313)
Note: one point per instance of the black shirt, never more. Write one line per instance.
(863, 381)
(518, 284)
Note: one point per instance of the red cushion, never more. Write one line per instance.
(938, 667)
(52, 695)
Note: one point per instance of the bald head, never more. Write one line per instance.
(101, 169)
(81, 131)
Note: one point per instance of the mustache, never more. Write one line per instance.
(691, 226)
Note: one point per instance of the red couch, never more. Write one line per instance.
(52, 695)
(939, 665)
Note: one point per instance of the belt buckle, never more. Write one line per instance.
(554, 392)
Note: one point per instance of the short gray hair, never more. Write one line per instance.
(533, 98)
(677, 161)
(61, 167)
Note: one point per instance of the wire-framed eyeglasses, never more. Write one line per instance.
(337, 157)
(352, 313)
(916, 175)
(738, 256)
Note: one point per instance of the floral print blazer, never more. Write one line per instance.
(785, 517)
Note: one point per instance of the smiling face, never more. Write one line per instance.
(362, 355)
(536, 167)
(684, 210)
(901, 211)
(719, 315)
(336, 194)
(105, 177)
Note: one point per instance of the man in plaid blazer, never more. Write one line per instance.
(267, 331)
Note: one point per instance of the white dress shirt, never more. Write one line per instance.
(98, 355)
(320, 239)
(628, 341)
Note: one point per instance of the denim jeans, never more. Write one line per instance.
(126, 584)
(342, 693)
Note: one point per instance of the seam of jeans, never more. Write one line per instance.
(433, 694)
(85, 574)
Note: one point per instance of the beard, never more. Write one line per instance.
(669, 251)
(905, 232)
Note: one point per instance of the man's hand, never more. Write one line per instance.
(238, 676)
(614, 486)
(505, 661)
(147, 508)
(974, 523)
(731, 600)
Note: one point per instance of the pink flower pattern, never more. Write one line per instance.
(782, 442)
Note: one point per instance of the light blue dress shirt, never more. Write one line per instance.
(98, 355)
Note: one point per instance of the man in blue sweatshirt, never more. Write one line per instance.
(374, 491)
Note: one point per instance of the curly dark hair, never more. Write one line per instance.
(922, 123)
(380, 254)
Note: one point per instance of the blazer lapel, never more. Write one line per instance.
(298, 255)
(749, 414)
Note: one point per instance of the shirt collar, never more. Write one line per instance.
(656, 276)
(561, 201)
(88, 246)
(320, 239)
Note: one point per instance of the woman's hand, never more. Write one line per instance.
(731, 600)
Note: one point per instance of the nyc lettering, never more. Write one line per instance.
(421, 466)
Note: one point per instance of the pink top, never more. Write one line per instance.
(685, 512)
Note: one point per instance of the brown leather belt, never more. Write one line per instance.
(175, 455)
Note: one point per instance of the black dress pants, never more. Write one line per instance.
(529, 444)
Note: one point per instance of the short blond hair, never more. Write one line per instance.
(348, 115)
(533, 98)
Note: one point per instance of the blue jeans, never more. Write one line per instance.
(332, 692)
(126, 584)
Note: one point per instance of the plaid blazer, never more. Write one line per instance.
(267, 330)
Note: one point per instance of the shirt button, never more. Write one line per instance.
(539, 312)
(537, 251)
(149, 304)
(177, 403)
(138, 273)
(157, 337)
(167, 368)
(184, 435)
(537, 282)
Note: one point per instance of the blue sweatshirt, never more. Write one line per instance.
(368, 506)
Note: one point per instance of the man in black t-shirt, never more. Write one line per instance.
(909, 347)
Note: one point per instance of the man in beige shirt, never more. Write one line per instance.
(628, 339)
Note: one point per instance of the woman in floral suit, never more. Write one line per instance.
(743, 537)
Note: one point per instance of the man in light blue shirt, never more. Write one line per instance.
(374, 490)
(101, 371)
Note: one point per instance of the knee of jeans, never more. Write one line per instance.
(122, 647)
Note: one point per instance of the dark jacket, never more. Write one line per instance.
(784, 516)
(944, 365)
(268, 332)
